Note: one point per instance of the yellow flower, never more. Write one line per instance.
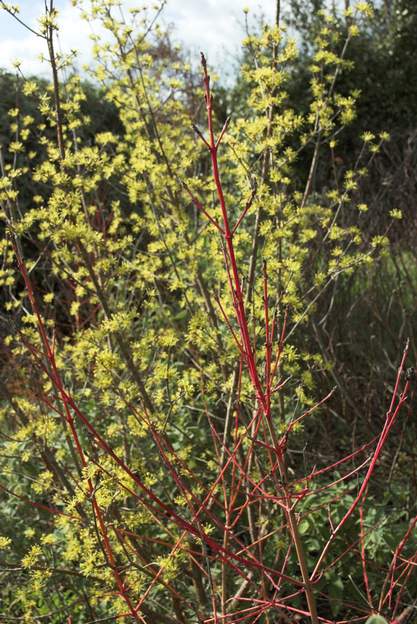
(4, 542)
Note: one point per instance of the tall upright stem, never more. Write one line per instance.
(263, 396)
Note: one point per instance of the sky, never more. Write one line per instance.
(213, 26)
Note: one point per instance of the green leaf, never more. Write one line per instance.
(376, 619)
(336, 595)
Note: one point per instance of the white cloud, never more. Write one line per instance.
(23, 45)
(26, 50)
(213, 26)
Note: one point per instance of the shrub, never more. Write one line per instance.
(159, 373)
